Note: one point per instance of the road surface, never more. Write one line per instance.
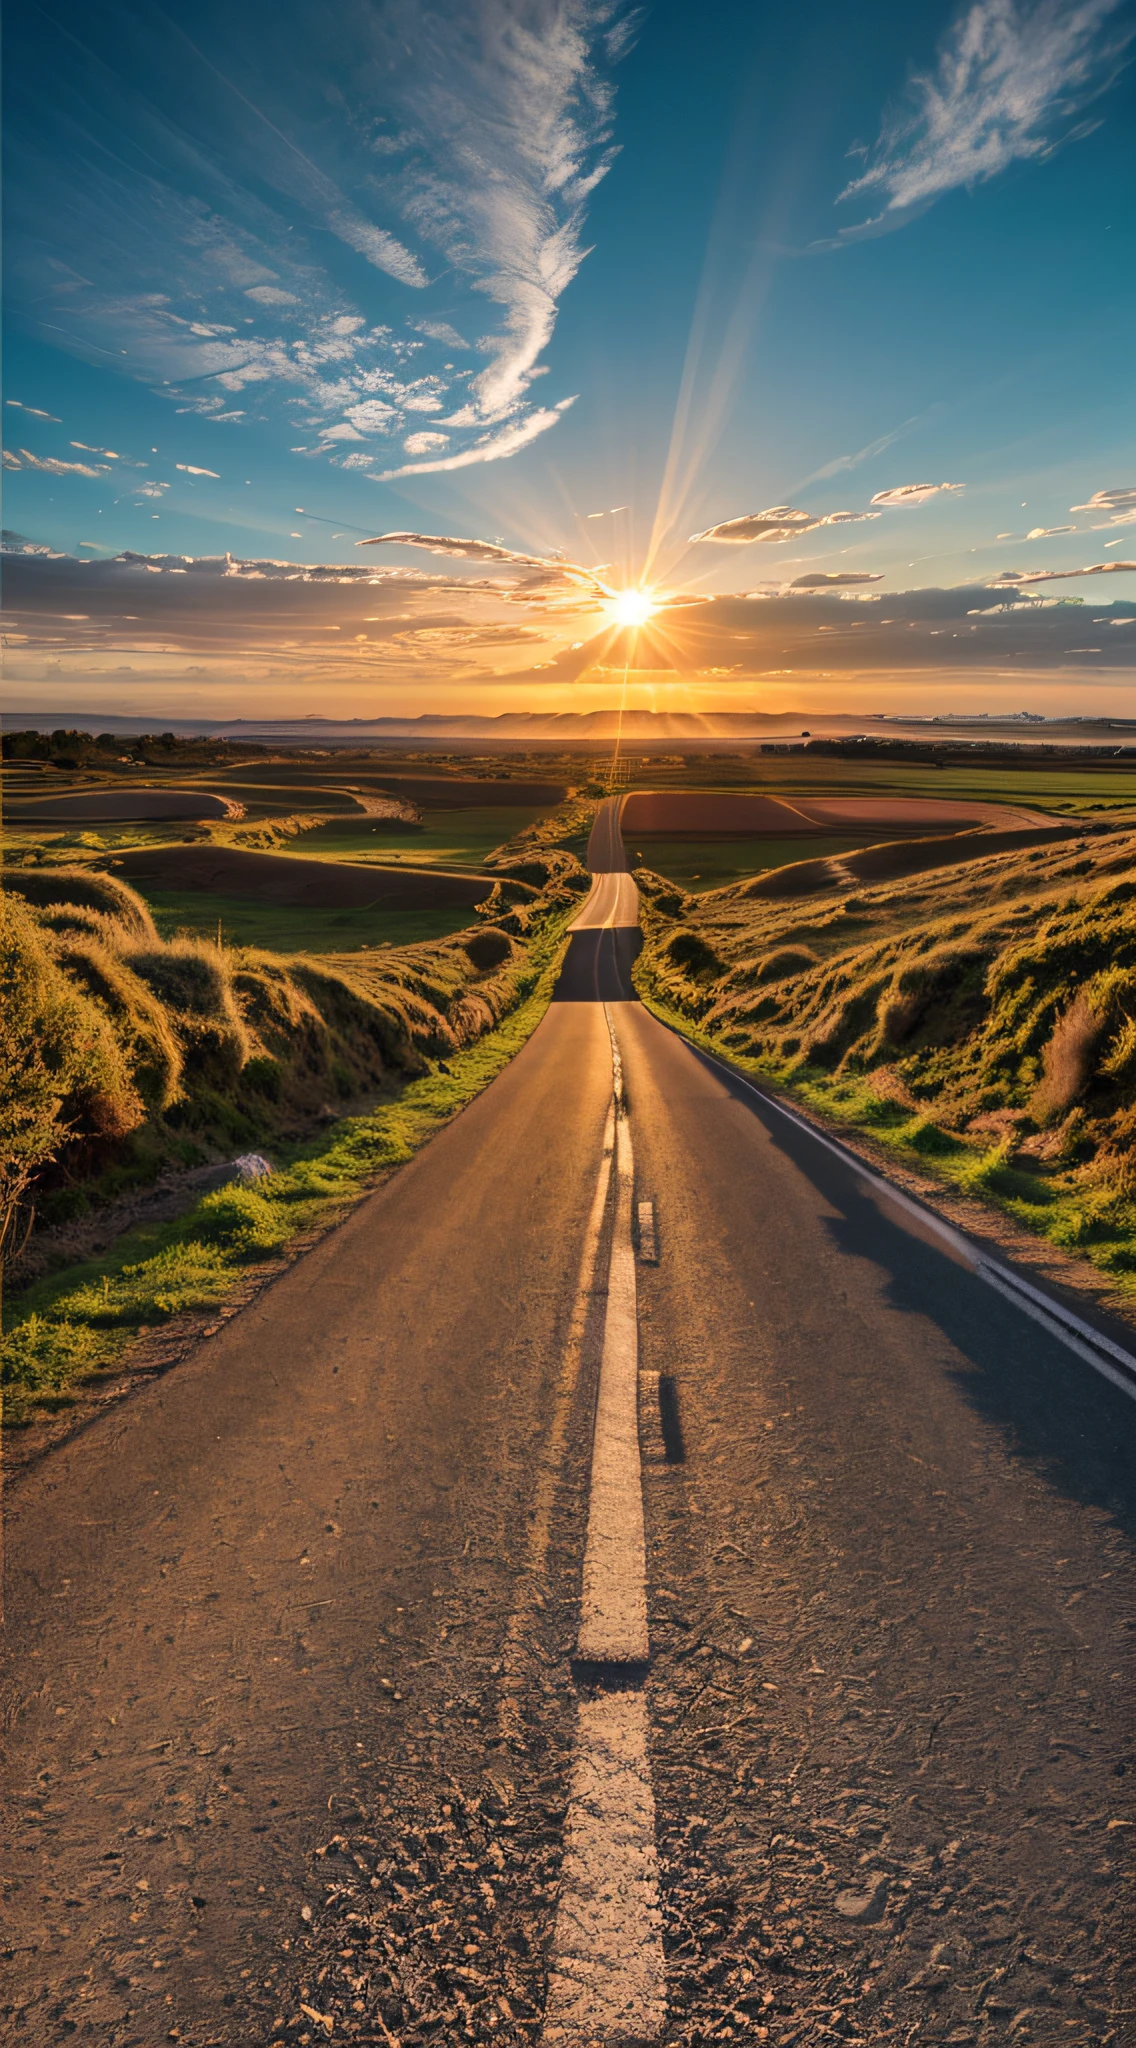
(297, 1719)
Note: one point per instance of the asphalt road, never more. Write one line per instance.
(288, 1686)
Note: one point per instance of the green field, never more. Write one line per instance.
(280, 929)
(447, 839)
(714, 861)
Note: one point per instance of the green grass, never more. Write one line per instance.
(721, 857)
(279, 929)
(70, 1326)
(980, 1022)
(1063, 788)
(449, 839)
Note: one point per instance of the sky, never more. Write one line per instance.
(733, 358)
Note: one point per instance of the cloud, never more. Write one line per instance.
(1119, 500)
(778, 523)
(431, 138)
(440, 330)
(191, 470)
(88, 450)
(490, 447)
(425, 444)
(836, 579)
(842, 463)
(34, 410)
(1048, 532)
(913, 494)
(1013, 576)
(24, 459)
(1011, 84)
(463, 550)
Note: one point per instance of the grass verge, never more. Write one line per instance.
(71, 1326)
(1093, 1222)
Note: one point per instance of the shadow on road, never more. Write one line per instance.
(597, 966)
(1050, 1406)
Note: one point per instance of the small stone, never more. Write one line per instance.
(866, 1906)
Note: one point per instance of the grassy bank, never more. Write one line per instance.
(979, 1022)
(128, 1055)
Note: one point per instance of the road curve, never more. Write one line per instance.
(288, 1676)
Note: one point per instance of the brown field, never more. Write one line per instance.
(121, 806)
(897, 858)
(292, 882)
(704, 811)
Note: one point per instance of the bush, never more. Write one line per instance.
(61, 1069)
(487, 949)
(688, 949)
(786, 960)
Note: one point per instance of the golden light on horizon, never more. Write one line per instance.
(631, 607)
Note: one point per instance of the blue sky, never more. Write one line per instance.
(486, 270)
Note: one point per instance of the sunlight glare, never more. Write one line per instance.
(632, 607)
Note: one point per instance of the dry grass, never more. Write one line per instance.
(123, 1053)
(932, 1008)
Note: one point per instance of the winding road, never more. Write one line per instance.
(310, 1731)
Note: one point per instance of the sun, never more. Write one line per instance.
(632, 607)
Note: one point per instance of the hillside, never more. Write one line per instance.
(133, 1063)
(980, 1017)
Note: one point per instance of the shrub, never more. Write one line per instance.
(487, 949)
(139, 1020)
(786, 960)
(61, 1069)
(690, 950)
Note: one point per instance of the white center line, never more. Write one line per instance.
(613, 1606)
(607, 1979)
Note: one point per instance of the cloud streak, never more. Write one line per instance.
(912, 494)
(1018, 576)
(467, 138)
(1012, 82)
(778, 523)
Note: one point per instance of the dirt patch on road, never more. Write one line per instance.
(269, 878)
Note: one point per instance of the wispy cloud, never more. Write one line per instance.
(778, 523)
(191, 469)
(1119, 502)
(540, 570)
(34, 411)
(912, 494)
(488, 447)
(467, 138)
(1012, 82)
(462, 549)
(24, 459)
(1016, 576)
(1118, 498)
(1048, 532)
(836, 579)
(842, 463)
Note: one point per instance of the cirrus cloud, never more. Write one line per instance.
(1014, 576)
(835, 579)
(777, 523)
(912, 494)
(1012, 83)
